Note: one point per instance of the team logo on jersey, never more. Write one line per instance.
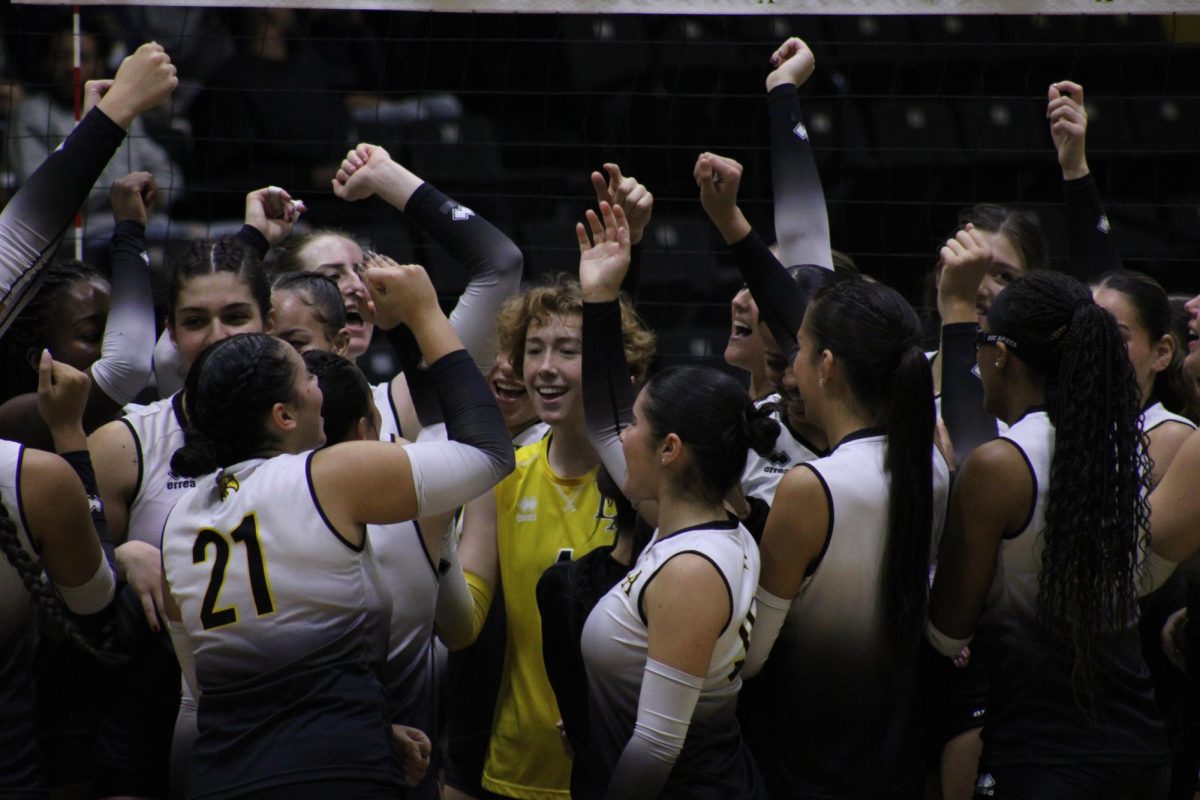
(985, 786)
(227, 483)
(527, 509)
(95, 504)
(178, 482)
(607, 510)
(630, 580)
(778, 458)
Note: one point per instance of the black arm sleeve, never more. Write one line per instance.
(35, 219)
(420, 386)
(778, 297)
(801, 219)
(253, 238)
(962, 392)
(1091, 249)
(607, 390)
(470, 410)
(81, 462)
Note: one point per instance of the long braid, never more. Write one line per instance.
(1096, 508)
(48, 602)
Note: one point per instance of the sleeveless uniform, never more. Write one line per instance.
(763, 473)
(157, 433)
(288, 623)
(1155, 415)
(18, 742)
(845, 720)
(540, 518)
(714, 762)
(389, 424)
(1032, 717)
(411, 582)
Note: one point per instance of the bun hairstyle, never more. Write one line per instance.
(228, 393)
(713, 415)
(1174, 387)
(347, 396)
(208, 257)
(1096, 506)
(875, 337)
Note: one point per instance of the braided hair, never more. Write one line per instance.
(48, 602)
(230, 389)
(1096, 506)
(31, 330)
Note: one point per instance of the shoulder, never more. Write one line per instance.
(111, 441)
(803, 484)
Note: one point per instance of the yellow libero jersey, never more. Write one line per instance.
(541, 518)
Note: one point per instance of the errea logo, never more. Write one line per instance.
(527, 509)
(176, 482)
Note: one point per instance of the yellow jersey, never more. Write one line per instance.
(541, 518)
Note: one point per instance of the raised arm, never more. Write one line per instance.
(34, 221)
(1091, 249)
(780, 301)
(492, 261)
(801, 219)
(375, 482)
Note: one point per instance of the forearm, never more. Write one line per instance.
(771, 613)
(127, 354)
(38, 215)
(1091, 249)
(778, 297)
(75, 453)
(608, 394)
(801, 218)
(962, 392)
(492, 261)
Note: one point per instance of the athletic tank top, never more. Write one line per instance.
(157, 434)
(714, 761)
(1156, 415)
(1033, 716)
(762, 474)
(18, 742)
(389, 425)
(288, 624)
(845, 720)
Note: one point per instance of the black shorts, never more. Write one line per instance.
(955, 699)
(1073, 782)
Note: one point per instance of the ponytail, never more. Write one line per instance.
(873, 332)
(908, 421)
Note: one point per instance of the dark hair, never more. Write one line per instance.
(1180, 319)
(876, 338)
(318, 292)
(208, 257)
(48, 602)
(1020, 228)
(228, 393)
(711, 413)
(1096, 507)
(1174, 387)
(346, 393)
(31, 330)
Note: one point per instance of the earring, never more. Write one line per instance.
(821, 381)
(996, 364)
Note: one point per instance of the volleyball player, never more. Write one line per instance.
(316, 629)
(307, 312)
(49, 528)
(850, 574)
(1041, 551)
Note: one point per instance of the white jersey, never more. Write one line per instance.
(16, 606)
(763, 473)
(389, 425)
(260, 576)
(1156, 415)
(534, 433)
(615, 639)
(157, 433)
(411, 580)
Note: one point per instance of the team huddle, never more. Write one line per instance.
(531, 566)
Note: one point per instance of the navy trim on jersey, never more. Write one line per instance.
(646, 585)
(1162, 422)
(800, 439)
(713, 525)
(1031, 410)
(395, 411)
(21, 503)
(312, 492)
(424, 550)
(812, 568)
(1033, 500)
(137, 484)
(861, 433)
